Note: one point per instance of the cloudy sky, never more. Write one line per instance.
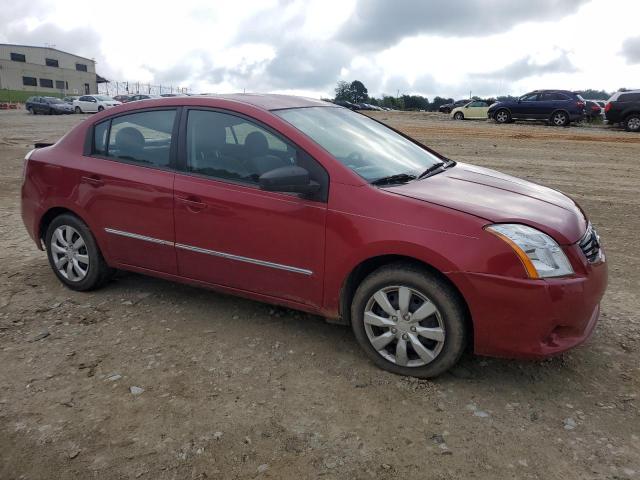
(429, 47)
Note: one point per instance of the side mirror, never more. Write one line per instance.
(292, 179)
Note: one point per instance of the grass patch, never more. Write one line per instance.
(19, 96)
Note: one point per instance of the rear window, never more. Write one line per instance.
(143, 138)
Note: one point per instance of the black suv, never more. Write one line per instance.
(624, 108)
(447, 107)
(558, 107)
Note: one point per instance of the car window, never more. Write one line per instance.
(100, 133)
(530, 97)
(143, 137)
(478, 104)
(629, 97)
(83, 99)
(233, 148)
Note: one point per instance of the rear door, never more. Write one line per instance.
(126, 186)
(231, 233)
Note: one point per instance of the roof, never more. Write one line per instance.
(45, 48)
(272, 101)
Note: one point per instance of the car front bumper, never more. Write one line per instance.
(523, 318)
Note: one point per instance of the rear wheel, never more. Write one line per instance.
(502, 116)
(408, 321)
(458, 116)
(74, 255)
(632, 123)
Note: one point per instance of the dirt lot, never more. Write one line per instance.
(238, 389)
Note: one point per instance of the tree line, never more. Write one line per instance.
(356, 92)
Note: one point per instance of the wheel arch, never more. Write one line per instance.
(49, 216)
(369, 265)
(563, 110)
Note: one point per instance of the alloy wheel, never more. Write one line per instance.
(69, 252)
(560, 119)
(502, 116)
(633, 123)
(404, 326)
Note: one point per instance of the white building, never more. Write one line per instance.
(46, 71)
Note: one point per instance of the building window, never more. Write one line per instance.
(46, 83)
(51, 62)
(81, 67)
(30, 81)
(60, 84)
(66, 85)
(18, 57)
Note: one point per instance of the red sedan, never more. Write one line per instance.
(309, 205)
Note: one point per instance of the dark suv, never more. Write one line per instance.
(447, 107)
(624, 108)
(47, 105)
(558, 107)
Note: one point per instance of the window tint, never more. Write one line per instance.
(529, 98)
(51, 62)
(30, 81)
(629, 97)
(227, 147)
(46, 82)
(81, 67)
(478, 104)
(18, 57)
(143, 137)
(100, 133)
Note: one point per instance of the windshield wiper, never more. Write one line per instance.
(432, 170)
(393, 179)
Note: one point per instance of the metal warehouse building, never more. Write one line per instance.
(46, 71)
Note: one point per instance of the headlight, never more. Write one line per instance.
(541, 256)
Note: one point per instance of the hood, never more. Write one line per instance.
(500, 198)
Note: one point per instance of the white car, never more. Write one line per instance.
(476, 109)
(94, 103)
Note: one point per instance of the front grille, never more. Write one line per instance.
(590, 244)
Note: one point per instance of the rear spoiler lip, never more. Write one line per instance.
(42, 144)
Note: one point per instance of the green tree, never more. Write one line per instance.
(343, 91)
(359, 92)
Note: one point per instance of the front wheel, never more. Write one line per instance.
(78, 110)
(458, 116)
(408, 321)
(502, 116)
(100, 108)
(74, 255)
(632, 123)
(560, 119)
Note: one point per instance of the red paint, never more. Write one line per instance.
(438, 221)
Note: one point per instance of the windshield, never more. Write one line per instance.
(367, 147)
(103, 98)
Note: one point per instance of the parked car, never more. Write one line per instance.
(143, 96)
(592, 110)
(558, 107)
(172, 94)
(309, 205)
(473, 110)
(447, 107)
(123, 98)
(47, 105)
(624, 108)
(70, 99)
(345, 103)
(94, 103)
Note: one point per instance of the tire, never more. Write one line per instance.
(100, 108)
(559, 119)
(442, 317)
(78, 110)
(632, 123)
(458, 116)
(51, 112)
(88, 269)
(502, 116)
(31, 110)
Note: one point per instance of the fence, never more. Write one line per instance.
(132, 88)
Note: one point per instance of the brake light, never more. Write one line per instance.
(607, 107)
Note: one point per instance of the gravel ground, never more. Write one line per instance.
(150, 379)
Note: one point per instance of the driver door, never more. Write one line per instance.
(230, 232)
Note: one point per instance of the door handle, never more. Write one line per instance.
(94, 180)
(193, 203)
